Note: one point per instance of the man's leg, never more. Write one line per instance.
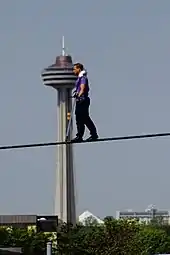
(92, 128)
(88, 121)
(79, 123)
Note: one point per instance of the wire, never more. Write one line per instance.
(118, 138)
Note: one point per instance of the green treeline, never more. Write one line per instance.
(119, 237)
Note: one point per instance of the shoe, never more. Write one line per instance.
(77, 139)
(92, 138)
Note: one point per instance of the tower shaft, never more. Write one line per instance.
(65, 194)
(61, 77)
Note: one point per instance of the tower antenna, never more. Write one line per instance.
(63, 46)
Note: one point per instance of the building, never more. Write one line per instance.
(145, 216)
(88, 217)
(45, 223)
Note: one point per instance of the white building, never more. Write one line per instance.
(88, 217)
(147, 215)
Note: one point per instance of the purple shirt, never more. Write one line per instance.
(82, 80)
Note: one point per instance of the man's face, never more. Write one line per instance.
(76, 70)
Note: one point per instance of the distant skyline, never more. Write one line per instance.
(124, 46)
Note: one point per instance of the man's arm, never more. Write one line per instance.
(82, 86)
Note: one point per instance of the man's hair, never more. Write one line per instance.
(79, 65)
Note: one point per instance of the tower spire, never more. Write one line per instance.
(63, 46)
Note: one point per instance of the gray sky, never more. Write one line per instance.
(125, 45)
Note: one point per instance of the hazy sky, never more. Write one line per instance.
(125, 46)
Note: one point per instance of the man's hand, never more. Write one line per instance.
(75, 95)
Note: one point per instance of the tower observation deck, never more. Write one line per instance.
(61, 77)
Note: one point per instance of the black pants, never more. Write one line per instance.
(83, 118)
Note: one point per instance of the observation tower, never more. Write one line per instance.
(60, 76)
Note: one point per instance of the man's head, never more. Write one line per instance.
(78, 68)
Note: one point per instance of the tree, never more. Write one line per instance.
(154, 240)
(114, 237)
(29, 240)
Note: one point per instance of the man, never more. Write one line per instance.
(82, 105)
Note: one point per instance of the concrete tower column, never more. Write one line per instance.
(60, 76)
